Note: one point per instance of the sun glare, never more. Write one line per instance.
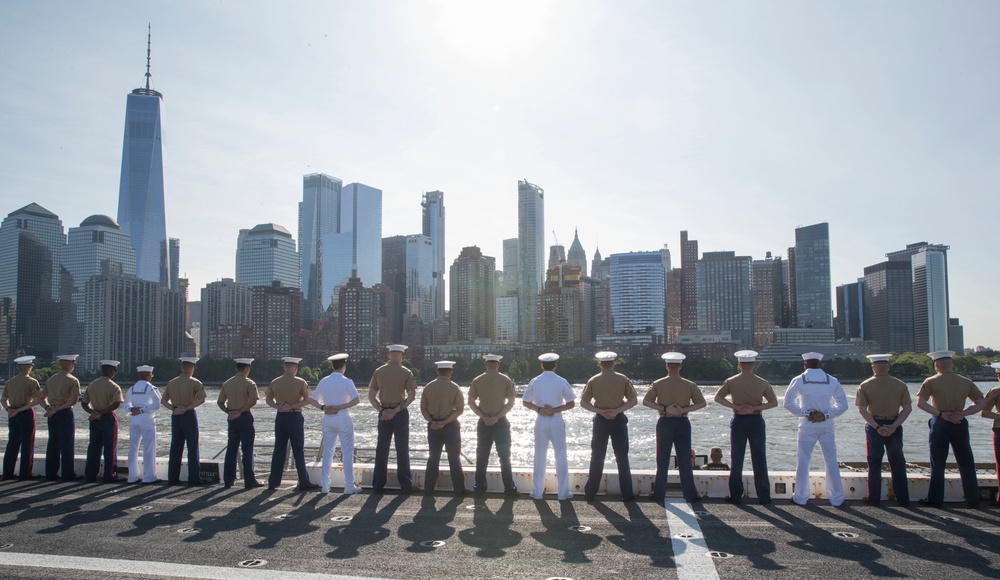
(493, 32)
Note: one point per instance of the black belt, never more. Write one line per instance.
(439, 420)
(384, 407)
(743, 415)
(878, 418)
(15, 406)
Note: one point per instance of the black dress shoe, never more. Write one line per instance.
(628, 499)
(929, 503)
(253, 484)
(307, 487)
(511, 493)
(694, 500)
(872, 502)
(115, 480)
(272, 487)
(765, 501)
(729, 499)
(590, 497)
(227, 485)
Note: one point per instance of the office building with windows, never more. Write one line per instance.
(265, 254)
(888, 305)
(473, 299)
(433, 224)
(725, 301)
(319, 216)
(356, 248)
(812, 277)
(637, 293)
(531, 256)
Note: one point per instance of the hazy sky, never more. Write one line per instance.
(737, 121)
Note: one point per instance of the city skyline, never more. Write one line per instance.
(799, 129)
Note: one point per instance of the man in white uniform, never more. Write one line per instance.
(816, 399)
(141, 403)
(334, 395)
(549, 395)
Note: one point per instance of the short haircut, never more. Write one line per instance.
(242, 366)
(108, 370)
(607, 364)
(549, 365)
(812, 364)
(338, 364)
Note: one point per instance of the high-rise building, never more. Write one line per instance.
(97, 247)
(725, 302)
(849, 323)
(266, 254)
(141, 211)
(433, 227)
(689, 283)
(767, 285)
(362, 315)
(31, 248)
(506, 316)
(472, 311)
(225, 306)
(420, 280)
(812, 277)
(792, 309)
(561, 308)
(930, 300)
(319, 215)
(600, 268)
(956, 336)
(274, 312)
(637, 293)
(394, 276)
(357, 246)
(510, 269)
(174, 255)
(673, 304)
(888, 305)
(531, 256)
(906, 255)
(557, 255)
(576, 257)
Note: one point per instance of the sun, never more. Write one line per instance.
(493, 32)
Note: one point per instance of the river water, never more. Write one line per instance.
(709, 427)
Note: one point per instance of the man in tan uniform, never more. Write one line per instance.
(990, 408)
(750, 396)
(943, 396)
(236, 397)
(441, 403)
(391, 390)
(608, 395)
(100, 400)
(673, 397)
(884, 403)
(20, 395)
(181, 396)
(61, 393)
(491, 397)
(288, 394)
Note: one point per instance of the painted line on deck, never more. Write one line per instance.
(690, 553)
(145, 568)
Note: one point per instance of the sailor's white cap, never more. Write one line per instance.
(69, 357)
(143, 369)
(874, 358)
(291, 360)
(191, 360)
(24, 360)
(606, 356)
(397, 347)
(445, 364)
(549, 357)
(746, 356)
(492, 357)
(110, 363)
(812, 356)
(339, 356)
(244, 361)
(673, 357)
(996, 366)
(938, 355)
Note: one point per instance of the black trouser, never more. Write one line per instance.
(449, 437)
(20, 438)
(398, 428)
(750, 429)
(184, 431)
(60, 449)
(103, 440)
(486, 437)
(617, 430)
(241, 434)
(944, 433)
(877, 446)
(288, 428)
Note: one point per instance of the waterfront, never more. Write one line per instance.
(709, 427)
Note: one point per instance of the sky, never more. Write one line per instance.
(736, 121)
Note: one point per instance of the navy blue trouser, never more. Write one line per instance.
(996, 457)
(288, 428)
(20, 439)
(103, 441)
(241, 434)
(398, 428)
(486, 437)
(750, 429)
(617, 430)
(674, 432)
(450, 438)
(892, 446)
(942, 434)
(60, 450)
(184, 431)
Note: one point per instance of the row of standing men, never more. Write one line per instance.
(814, 396)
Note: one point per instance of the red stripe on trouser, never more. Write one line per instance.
(114, 447)
(31, 447)
(867, 493)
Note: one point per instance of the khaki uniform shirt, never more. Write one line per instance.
(948, 391)
(608, 390)
(238, 391)
(748, 389)
(391, 382)
(883, 396)
(183, 391)
(993, 401)
(670, 390)
(102, 393)
(493, 389)
(288, 389)
(440, 398)
(61, 388)
(19, 391)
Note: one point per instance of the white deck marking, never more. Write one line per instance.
(167, 569)
(690, 554)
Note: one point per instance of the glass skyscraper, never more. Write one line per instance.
(357, 245)
(419, 277)
(930, 301)
(266, 254)
(637, 293)
(319, 215)
(433, 227)
(888, 305)
(531, 256)
(722, 284)
(813, 299)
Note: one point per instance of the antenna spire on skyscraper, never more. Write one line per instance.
(149, 43)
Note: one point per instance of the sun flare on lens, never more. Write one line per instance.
(487, 31)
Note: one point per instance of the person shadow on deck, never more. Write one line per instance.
(490, 531)
(366, 528)
(637, 533)
(430, 524)
(557, 535)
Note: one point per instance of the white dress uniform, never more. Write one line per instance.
(336, 389)
(145, 397)
(814, 390)
(550, 389)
